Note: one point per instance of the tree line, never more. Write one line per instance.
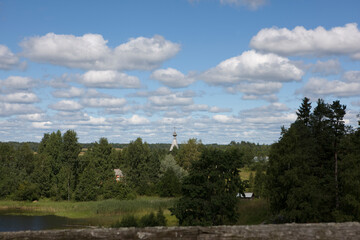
(58, 171)
(311, 174)
(314, 169)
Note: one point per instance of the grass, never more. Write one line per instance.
(98, 213)
(245, 173)
(251, 212)
(107, 212)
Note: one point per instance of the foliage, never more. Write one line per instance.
(255, 211)
(169, 162)
(308, 173)
(169, 184)
(188, 153)
(209, 191)
(127, 221)
(148, 220)
(141, 166)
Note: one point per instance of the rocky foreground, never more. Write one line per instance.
(282, 231)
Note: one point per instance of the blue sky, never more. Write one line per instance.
(217, 70)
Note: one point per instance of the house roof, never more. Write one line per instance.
(118, 172)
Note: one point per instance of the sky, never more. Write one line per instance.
(216, 70)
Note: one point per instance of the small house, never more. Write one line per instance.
(246, 195)
(118, 175)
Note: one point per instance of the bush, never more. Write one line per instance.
(127, 221)
(27, 192)
(148, 220)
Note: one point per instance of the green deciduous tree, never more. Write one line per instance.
(142, 166)
(209, 191)
(188, 153)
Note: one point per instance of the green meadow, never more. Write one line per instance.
(95, 213)
(107, 212)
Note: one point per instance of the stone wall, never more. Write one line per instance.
(274, 232)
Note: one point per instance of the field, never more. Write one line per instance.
(95, 213)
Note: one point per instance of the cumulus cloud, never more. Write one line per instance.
(330, 67)
(253, 66)
(352, 76)
(66, 105)
(103, 102)
(226, 119)
(257, 90)
(137, 120)
(171, 99)
(20, 97)
(8, 60)
(252, 4)
(172, 78)
(33, 117)
(14, 83)
(90, 51)
(10, 109)
(324, 87)
(94, 121)
(317, 42)
(42, 125)
(69, 93)
(109, 79)
(204, 108)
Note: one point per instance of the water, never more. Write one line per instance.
(9, 223)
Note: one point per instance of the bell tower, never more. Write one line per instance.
(174, 142)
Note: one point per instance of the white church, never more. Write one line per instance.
(174, 142)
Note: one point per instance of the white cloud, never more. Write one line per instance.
(172, 78)
(137, 120)
(253, 66)
(109, 79)
(8, 60)
(35, 117)
(196, 107)
(103, 102)
(9, 109)
(18, 83)
(90, 51)
(252, 4)
(330, 67)
(42, 125)
(20, 97)
(318, 42)
(323, 87)
(226, 119)
(269, 98)
(69, 93)
(66, 105)
(258, 89)
(352, 76)
(94, 121)
(219, 110)
(173, 99)
(205, 108)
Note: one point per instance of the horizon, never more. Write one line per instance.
(218, 71)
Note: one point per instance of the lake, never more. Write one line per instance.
(9, 222)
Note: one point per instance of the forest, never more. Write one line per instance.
(311, 174)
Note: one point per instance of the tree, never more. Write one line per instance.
(300, 176)
(209, 191)
(349, 175)
(188, 153)
(169, 184)
(142, 166)
(303, 114)
(69, 158)
(89, 184)
(336, 117)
